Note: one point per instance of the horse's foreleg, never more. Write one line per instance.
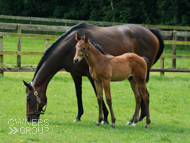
(145, 96)
(78, 87)
(99, 91)
(105, 111)
(134, 87)
(106, 86)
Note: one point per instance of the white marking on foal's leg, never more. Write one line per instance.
(133, 124)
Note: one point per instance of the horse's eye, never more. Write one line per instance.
(83, 48)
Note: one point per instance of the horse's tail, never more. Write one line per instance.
(157, 33)
(148, 68)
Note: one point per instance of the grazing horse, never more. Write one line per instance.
(114, 40)
(106, 68)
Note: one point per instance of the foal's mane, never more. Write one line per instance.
(53, 45)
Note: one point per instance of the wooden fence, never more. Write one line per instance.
(29, 27)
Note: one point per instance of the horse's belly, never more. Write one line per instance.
(119, 76)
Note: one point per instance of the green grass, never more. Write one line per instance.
(169, 111)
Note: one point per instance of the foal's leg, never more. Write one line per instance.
(137, 95)
(145, 96)
(105, 111)
(99, 91)
(106, 86)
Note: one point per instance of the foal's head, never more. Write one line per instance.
(82, 48)
(35, 102)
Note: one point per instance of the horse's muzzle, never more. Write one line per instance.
(32, 118)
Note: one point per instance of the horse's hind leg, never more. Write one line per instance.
(99, 91)
(106, 86)
(78, 87)
(134, 87)
(145, 96)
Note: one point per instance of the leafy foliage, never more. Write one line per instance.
(168, 12)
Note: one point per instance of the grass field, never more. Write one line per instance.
(169, 111)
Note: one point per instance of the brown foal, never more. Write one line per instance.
(106, 68)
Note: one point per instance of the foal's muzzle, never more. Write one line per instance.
(76, 61)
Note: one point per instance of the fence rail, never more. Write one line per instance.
(32, 27)
(19, 53)
(66, 21)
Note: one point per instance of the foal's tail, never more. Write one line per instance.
(148, 68)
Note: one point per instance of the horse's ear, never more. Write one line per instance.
(85, 38)
(27, 85)
(77, 37)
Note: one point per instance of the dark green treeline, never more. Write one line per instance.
(165, 12)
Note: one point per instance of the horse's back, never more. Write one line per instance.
(120, 39)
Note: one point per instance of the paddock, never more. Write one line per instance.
(169, 104)
(169, 96)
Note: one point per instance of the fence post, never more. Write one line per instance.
(185, 38)
(174, 48)
(162, 66)
(46, 44)
(19, 46)
(1, 56)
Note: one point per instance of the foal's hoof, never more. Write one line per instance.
(104, 122)
(133, 124)
(147, 126)
(113, 126)
(76, 120)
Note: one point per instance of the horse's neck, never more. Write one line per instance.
(94, 56)
(42, 78)
(50, 67)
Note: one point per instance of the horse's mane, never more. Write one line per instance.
(98, 47)
(52, 46)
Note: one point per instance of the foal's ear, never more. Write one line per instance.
(27, 85)
(77, 37)
(85, 38)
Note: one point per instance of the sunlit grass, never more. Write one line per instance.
(169, 111)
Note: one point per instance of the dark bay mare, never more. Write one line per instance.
(114, 68)
(114, 40)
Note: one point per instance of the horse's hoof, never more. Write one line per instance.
(98, 124)
(133, 124)
(76, 120)
(104, 122)
(147, 126)
(113, 126)
(128, 123)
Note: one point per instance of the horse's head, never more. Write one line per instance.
(82, 48)
(35, 102)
